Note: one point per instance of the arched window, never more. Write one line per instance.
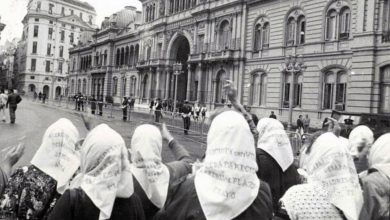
(97, 59)
(84, 86)
(338, 21)
(259, 89)
(115, 86)
(133, 86)
(224, 35)
(105, 57)
(131, 61)
(79, 85)
(295, 28)
(122, 56)
(335, 89)
(118, 57)
(219, 94)
(72, 86)
(297, 94)
(385, 89)
(136, 54)
(261, 34)
(127, 54)
(386, 21)
(124, 82)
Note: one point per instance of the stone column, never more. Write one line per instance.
(167, 80)
(158, 86)
(189, 74)
(150, 83)
(199, 92)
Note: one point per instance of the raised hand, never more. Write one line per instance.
(11, 157)
(231, 91)
(333, 126)
(166, 135)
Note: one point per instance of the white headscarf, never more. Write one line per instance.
(274, 140)
(105, 169)
(379, 157)
(331, 166)
(358, 136)
(57, 156)
(147, 168)
(227, 183)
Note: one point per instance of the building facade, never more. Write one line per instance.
(51, 27)
(343, 43)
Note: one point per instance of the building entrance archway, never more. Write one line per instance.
(179, 53)
(58, 92)
(46, 91)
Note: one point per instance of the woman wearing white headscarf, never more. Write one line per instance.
(152, 178)
(226, 185)
(360, 138)
(104, 187)
(33, 190)
(275, 158)
(332, 191)
(376, 181)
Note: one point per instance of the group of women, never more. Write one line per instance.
(247, 173)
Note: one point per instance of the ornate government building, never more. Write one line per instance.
(344, 44)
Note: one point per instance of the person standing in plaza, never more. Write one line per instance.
(203, 110)
(40, 96)
(3, 102)
(273, 115)
(306, 124)
(254, 116)
(44, 98)
(158, 107)
(300, 125)
(151, 106)
(186, 114)
(35, 96)
(12, 103)
(125, 104)
(93, 105)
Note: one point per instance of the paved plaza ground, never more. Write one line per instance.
(33, 118)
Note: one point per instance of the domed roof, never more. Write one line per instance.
(123, 17)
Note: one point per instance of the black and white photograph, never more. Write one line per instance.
(194, 109)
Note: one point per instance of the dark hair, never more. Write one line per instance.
(1, 90)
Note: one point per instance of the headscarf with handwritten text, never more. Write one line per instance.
(274, 140)
(361, 135)
(330, 165)
(105, 169)
(379, 157)
(57, 156)
(226, 183)
(147, 167)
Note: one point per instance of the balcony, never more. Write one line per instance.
(221, 55)
(98, 69)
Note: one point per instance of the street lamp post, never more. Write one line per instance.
(177, 69)
(293, 65)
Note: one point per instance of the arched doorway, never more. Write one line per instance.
(180, 51)
(46, 90)
(58, 92)
(220, 96)
(31, 88)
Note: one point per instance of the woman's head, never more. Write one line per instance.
(57, 156)
(146, 142)
(105, 169)
(274, 140)
(360, 140)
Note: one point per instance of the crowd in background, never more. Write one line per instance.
(247, 172)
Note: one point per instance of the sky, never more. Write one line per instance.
(13, 11)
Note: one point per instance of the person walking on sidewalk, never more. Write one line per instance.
(306, 124)
(12, 103)
(3, 101)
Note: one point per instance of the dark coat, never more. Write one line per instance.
(185, 205)
(13, 100)
(270, 171)
(75, 204)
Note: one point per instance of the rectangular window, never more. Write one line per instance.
(36, 19)
(331, 27)
(47, 66)
(36, 30)
(71, 11)
(60, 67)
(33, 64)
(32, 77)
(159, 48)
(81, 16)
(286, 97)
(50, 34)
(62, 11)
(51, 6)
(62, 36)
(200, 43)
(51, 22)
(297, 94)
(341, 95)
(265, 39)
(35, 47)
(61, 51)
(71, 38)
(48, 50)
(328, 96)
